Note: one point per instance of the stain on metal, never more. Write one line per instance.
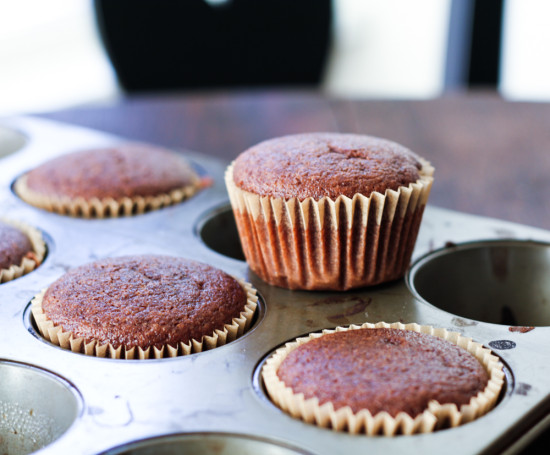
(520, 329)
(336, 300)
(523, 389)
(459, 322)
(502, 345)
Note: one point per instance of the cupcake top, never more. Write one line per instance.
(142, 301)
(325, 164)
(383, 369)
(14, 246)
(126, 170)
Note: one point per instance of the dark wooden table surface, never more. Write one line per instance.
(492, 157)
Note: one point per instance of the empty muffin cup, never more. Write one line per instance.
(205, 444)
(498, 281)
(218, 220)
(36, 408)
(10, 141)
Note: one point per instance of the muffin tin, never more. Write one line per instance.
(481, 277)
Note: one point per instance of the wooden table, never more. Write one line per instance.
(492, 157)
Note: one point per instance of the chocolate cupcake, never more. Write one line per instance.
(144, 307)
(384, 379)
(122, 180)
(328, 211)
(22, 249)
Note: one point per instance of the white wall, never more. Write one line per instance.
(525, 68)
(50, 56)
(389, 48)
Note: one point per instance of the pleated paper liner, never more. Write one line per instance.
(344, 419)
(105, 207)
(66, 340)
(32, 260)
(330, 244)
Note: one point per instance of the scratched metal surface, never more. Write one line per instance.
(119, 402)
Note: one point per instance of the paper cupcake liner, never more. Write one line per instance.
(330, 244)
(32, 259)
(344, 419)
(65, 339)
(102, 208)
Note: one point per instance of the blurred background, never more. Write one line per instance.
(52, 55)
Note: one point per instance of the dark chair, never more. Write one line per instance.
(474, 44)
(167, 45)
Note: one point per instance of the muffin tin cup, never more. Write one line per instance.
(67, 340)
(102, 208)
(36, 407)
(498, 281)
(205, 444)
(344, 419)
(29, 262)
(330, 244)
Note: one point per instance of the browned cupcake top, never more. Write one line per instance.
(383, 370)
(144, 301)
(127, 170)
(14, 246)
(325, 164)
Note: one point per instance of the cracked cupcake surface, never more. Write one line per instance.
(123, 179)
(22, 249)
(321, 165)
(383, 370)
(14, 246)
(142, 301)
(384, 379)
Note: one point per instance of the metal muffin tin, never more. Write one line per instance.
(214, 402)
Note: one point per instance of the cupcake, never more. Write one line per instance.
(328, 211)
(140, 307)
(22, 249)
(384, 379)
(122, 180)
